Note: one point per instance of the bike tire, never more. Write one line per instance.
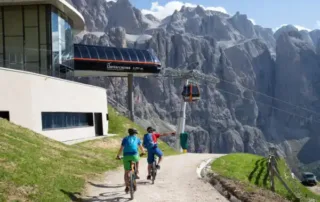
(154, 172)
(132, 183)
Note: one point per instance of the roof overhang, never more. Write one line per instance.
(63, 5)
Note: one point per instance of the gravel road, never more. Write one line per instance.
(177, 180)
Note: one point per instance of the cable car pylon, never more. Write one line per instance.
(190, 93)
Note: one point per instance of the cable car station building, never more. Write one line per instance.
(38, 62)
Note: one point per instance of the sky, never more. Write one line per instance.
(267, 13)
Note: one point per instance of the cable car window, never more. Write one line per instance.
(93, 52)
(140, 56)
(186, 91)
(116, 53)
(147, 56)
(195, 90)
(109, 53)
(133, 55)
(125, 55)
(77, 53)
(156, 59)
(101, 53)
(84, 52)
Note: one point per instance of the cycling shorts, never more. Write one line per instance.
(152, 152)
(126, 161)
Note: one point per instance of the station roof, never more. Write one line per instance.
(113, 54)
(93, 60)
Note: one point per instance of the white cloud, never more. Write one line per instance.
(302, 28)
(318, 24)
(299, 27)
(252, 20)
(162, 11)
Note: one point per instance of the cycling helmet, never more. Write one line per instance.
(150, 129)
(132, 131)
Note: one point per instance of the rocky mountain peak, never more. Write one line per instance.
(124, 3)
(243, 25)
(283, 29)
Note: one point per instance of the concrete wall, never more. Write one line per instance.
(25, 95)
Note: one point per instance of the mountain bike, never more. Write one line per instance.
(132, 177)
(154, 169)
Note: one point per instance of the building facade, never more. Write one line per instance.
(36, 71)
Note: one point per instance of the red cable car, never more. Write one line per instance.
(191, 92)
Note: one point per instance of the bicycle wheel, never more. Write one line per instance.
(153, 172)
(132, 183)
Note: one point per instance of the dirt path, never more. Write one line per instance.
(176, 181)
(315, 189)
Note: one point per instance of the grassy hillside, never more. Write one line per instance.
(252, 169)
(35, 168)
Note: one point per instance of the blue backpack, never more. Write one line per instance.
(148, 141)
(130, 144)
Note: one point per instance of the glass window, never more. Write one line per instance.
(31, 44)
(13, 16)
(133, 55)
(110, 54)
(147, 56)
(84, 52)
(44, 60)
(30, 16)
(1, 37)
(43, 25)
(14, 52)
(93, 52)
(55, 42)
(101, 53)
(77, 53)
(56, 120)
(117, 54)
(125, 55)
(140, 56)
(62, 44)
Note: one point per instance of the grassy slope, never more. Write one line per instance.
(35, 168)
(252, 169)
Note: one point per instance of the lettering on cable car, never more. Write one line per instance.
(137, 69)
(117, 68)
(122, 68)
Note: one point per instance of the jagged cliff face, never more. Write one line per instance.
(253, 64)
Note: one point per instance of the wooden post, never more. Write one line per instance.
(271, 173)
(284, 184)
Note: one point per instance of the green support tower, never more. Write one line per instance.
(184, 141)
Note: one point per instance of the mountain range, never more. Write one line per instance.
(269, 88)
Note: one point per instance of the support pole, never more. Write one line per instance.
(130, 97)
(181, 122)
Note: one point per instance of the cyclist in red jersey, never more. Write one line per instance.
(158, 152)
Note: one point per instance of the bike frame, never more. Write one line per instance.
(154, 169)
(132, 178)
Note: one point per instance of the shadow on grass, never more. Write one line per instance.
(261, 166)
(266, 175)
(254, 170)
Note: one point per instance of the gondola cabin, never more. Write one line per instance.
(191, 92)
